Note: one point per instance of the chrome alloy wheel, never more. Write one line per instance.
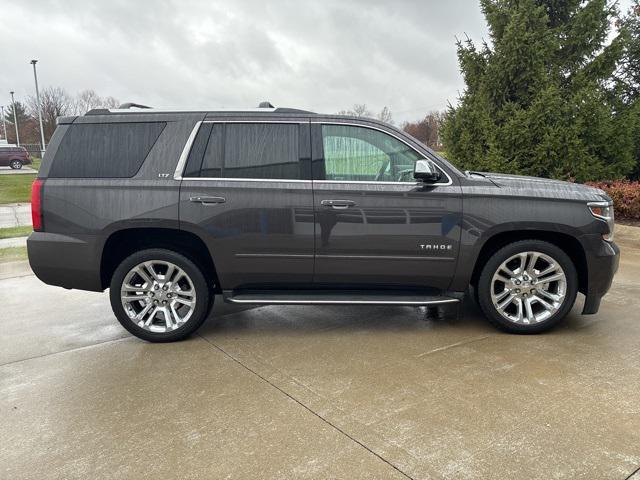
(528, 288)
(158, 296)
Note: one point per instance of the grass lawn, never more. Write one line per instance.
(12, 232)
(15, 188)
(13, 254)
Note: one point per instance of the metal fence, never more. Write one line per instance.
(32, 148)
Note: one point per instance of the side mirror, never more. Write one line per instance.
(426, 172)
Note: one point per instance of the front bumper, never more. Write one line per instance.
(603, 259)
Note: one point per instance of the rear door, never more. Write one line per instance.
(375, 225)
(246, 191)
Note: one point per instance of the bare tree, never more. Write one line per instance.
(358, 110)
(427, 129)
(55, 102)
(110, 102)
(89, 99)
(85, 101)
(361, 110)
(385, 115)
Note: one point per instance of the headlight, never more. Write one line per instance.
(603, 211)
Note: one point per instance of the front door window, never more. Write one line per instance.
(358, 154)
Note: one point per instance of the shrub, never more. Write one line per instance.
(625, 195)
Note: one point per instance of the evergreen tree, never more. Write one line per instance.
(627, 78)
(25, 122)
(537, 98)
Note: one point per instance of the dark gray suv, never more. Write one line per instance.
(284, 206)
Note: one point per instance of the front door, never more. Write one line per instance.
(375, 225)
(245, 193)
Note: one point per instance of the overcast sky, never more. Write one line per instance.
(322, 55)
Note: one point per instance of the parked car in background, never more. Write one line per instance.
(284, 206)
(13, 156)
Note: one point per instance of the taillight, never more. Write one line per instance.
(36, 204)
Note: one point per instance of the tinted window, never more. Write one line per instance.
(246, 150)
(214, 153)
(363, 154)
(194, 162)
(106, 150)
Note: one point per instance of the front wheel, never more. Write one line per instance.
(527, 286)
(16, 164)
(159, 295)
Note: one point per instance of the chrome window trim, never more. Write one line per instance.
(272, 180)
(138, 110)
(182, 161)
(351, 124)
(375, 182)
(293, 122)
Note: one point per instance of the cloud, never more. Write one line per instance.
(324, 56)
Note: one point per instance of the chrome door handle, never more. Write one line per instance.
(207, 200)
(338, 204)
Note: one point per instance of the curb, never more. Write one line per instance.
(15, 269)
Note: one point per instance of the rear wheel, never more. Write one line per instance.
(16, 164)
(159, 295)
(527, 286)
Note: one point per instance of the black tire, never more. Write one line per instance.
(484, 286)
(204, 299)
(15, 164)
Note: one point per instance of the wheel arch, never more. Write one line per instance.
(567, 243)
(122, 243)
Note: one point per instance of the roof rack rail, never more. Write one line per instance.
(131, 105)
(133, 108)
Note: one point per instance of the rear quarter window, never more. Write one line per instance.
(105, 150)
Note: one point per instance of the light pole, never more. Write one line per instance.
(35, 78)
(15, 118)
(4, 124)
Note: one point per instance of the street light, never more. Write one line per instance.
(15, 118)
(35, 77)
(4, 124)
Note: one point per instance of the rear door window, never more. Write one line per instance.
(105, 150)
(267, 151)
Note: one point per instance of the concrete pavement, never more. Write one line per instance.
(24, 170)
(13, 242)
(310, 392)
(15, 215)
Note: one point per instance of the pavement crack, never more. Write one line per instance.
(453, 345)
(84, 347)
(637, 470)
(291, 397)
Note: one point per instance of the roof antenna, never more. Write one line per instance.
(265, 105)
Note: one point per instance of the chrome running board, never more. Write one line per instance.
(335, 298)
